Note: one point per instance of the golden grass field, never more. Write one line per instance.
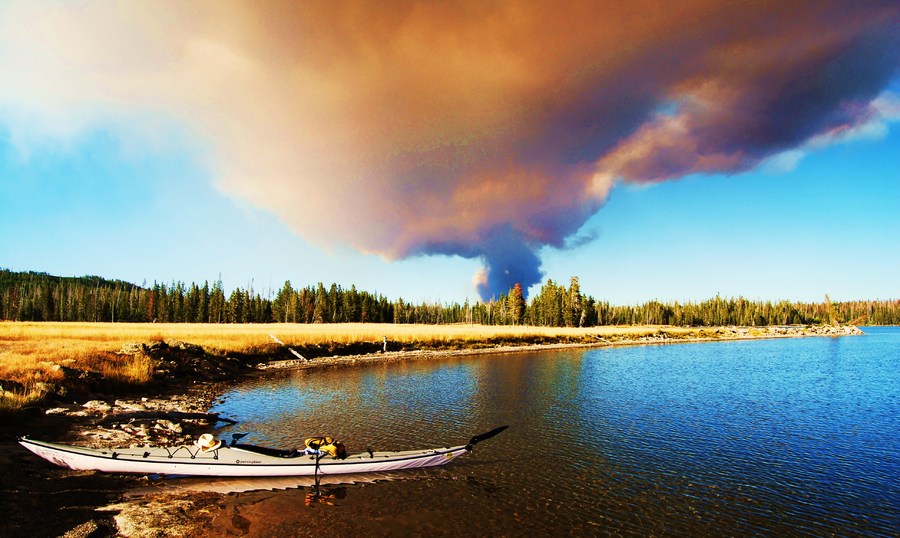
(32, 353)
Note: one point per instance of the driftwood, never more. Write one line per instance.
(292, 350)
(162, 415)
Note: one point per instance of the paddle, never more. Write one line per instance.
(235, 437)
(483, 437)
(316, 477)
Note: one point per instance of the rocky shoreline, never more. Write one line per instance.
(663, 336)
(188, 381)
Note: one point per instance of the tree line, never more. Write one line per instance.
(32, 296)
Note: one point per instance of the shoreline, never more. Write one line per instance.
(108, 418)
(58, 362)
(663, 336)
(111, 421)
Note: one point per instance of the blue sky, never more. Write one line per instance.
(437, 155)
(831, 226)
(93, 208)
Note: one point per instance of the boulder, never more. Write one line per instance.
(134, 348)
(191, 349)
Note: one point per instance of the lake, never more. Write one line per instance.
(786, 436)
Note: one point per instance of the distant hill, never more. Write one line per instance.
(10, 278)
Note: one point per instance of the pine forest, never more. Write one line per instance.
(32, 296)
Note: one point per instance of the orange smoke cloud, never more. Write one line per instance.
(470, 128)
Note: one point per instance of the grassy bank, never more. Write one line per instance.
(36, 356)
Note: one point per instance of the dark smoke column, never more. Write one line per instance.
(508, 259)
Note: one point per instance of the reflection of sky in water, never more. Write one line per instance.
(786, 436)
(790, 420)
(339, 402)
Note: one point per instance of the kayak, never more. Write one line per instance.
(241, 459)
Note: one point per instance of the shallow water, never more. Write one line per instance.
(788, 436)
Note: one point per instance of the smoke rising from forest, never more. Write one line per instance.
(482, 130)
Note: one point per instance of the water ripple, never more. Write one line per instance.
(790, 437)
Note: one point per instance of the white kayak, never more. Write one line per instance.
(241, 460)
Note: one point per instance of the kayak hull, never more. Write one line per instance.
(233, 461)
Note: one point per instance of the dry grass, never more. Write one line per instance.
(39, 347)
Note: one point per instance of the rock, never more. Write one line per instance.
(130, 406)
(169, 425)
(81, 375)
(97, 405)
(156, 346)
(89, 529)
(193, 349)
(45, 389)
(134, 348)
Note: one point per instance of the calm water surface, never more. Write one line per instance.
(787, 437)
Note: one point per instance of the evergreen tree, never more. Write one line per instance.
(281, 306)
(516, 305)
(203, 313)
(320, 312)
(236, 307)
(217, 313)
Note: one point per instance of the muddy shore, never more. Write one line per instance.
(39, 499)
